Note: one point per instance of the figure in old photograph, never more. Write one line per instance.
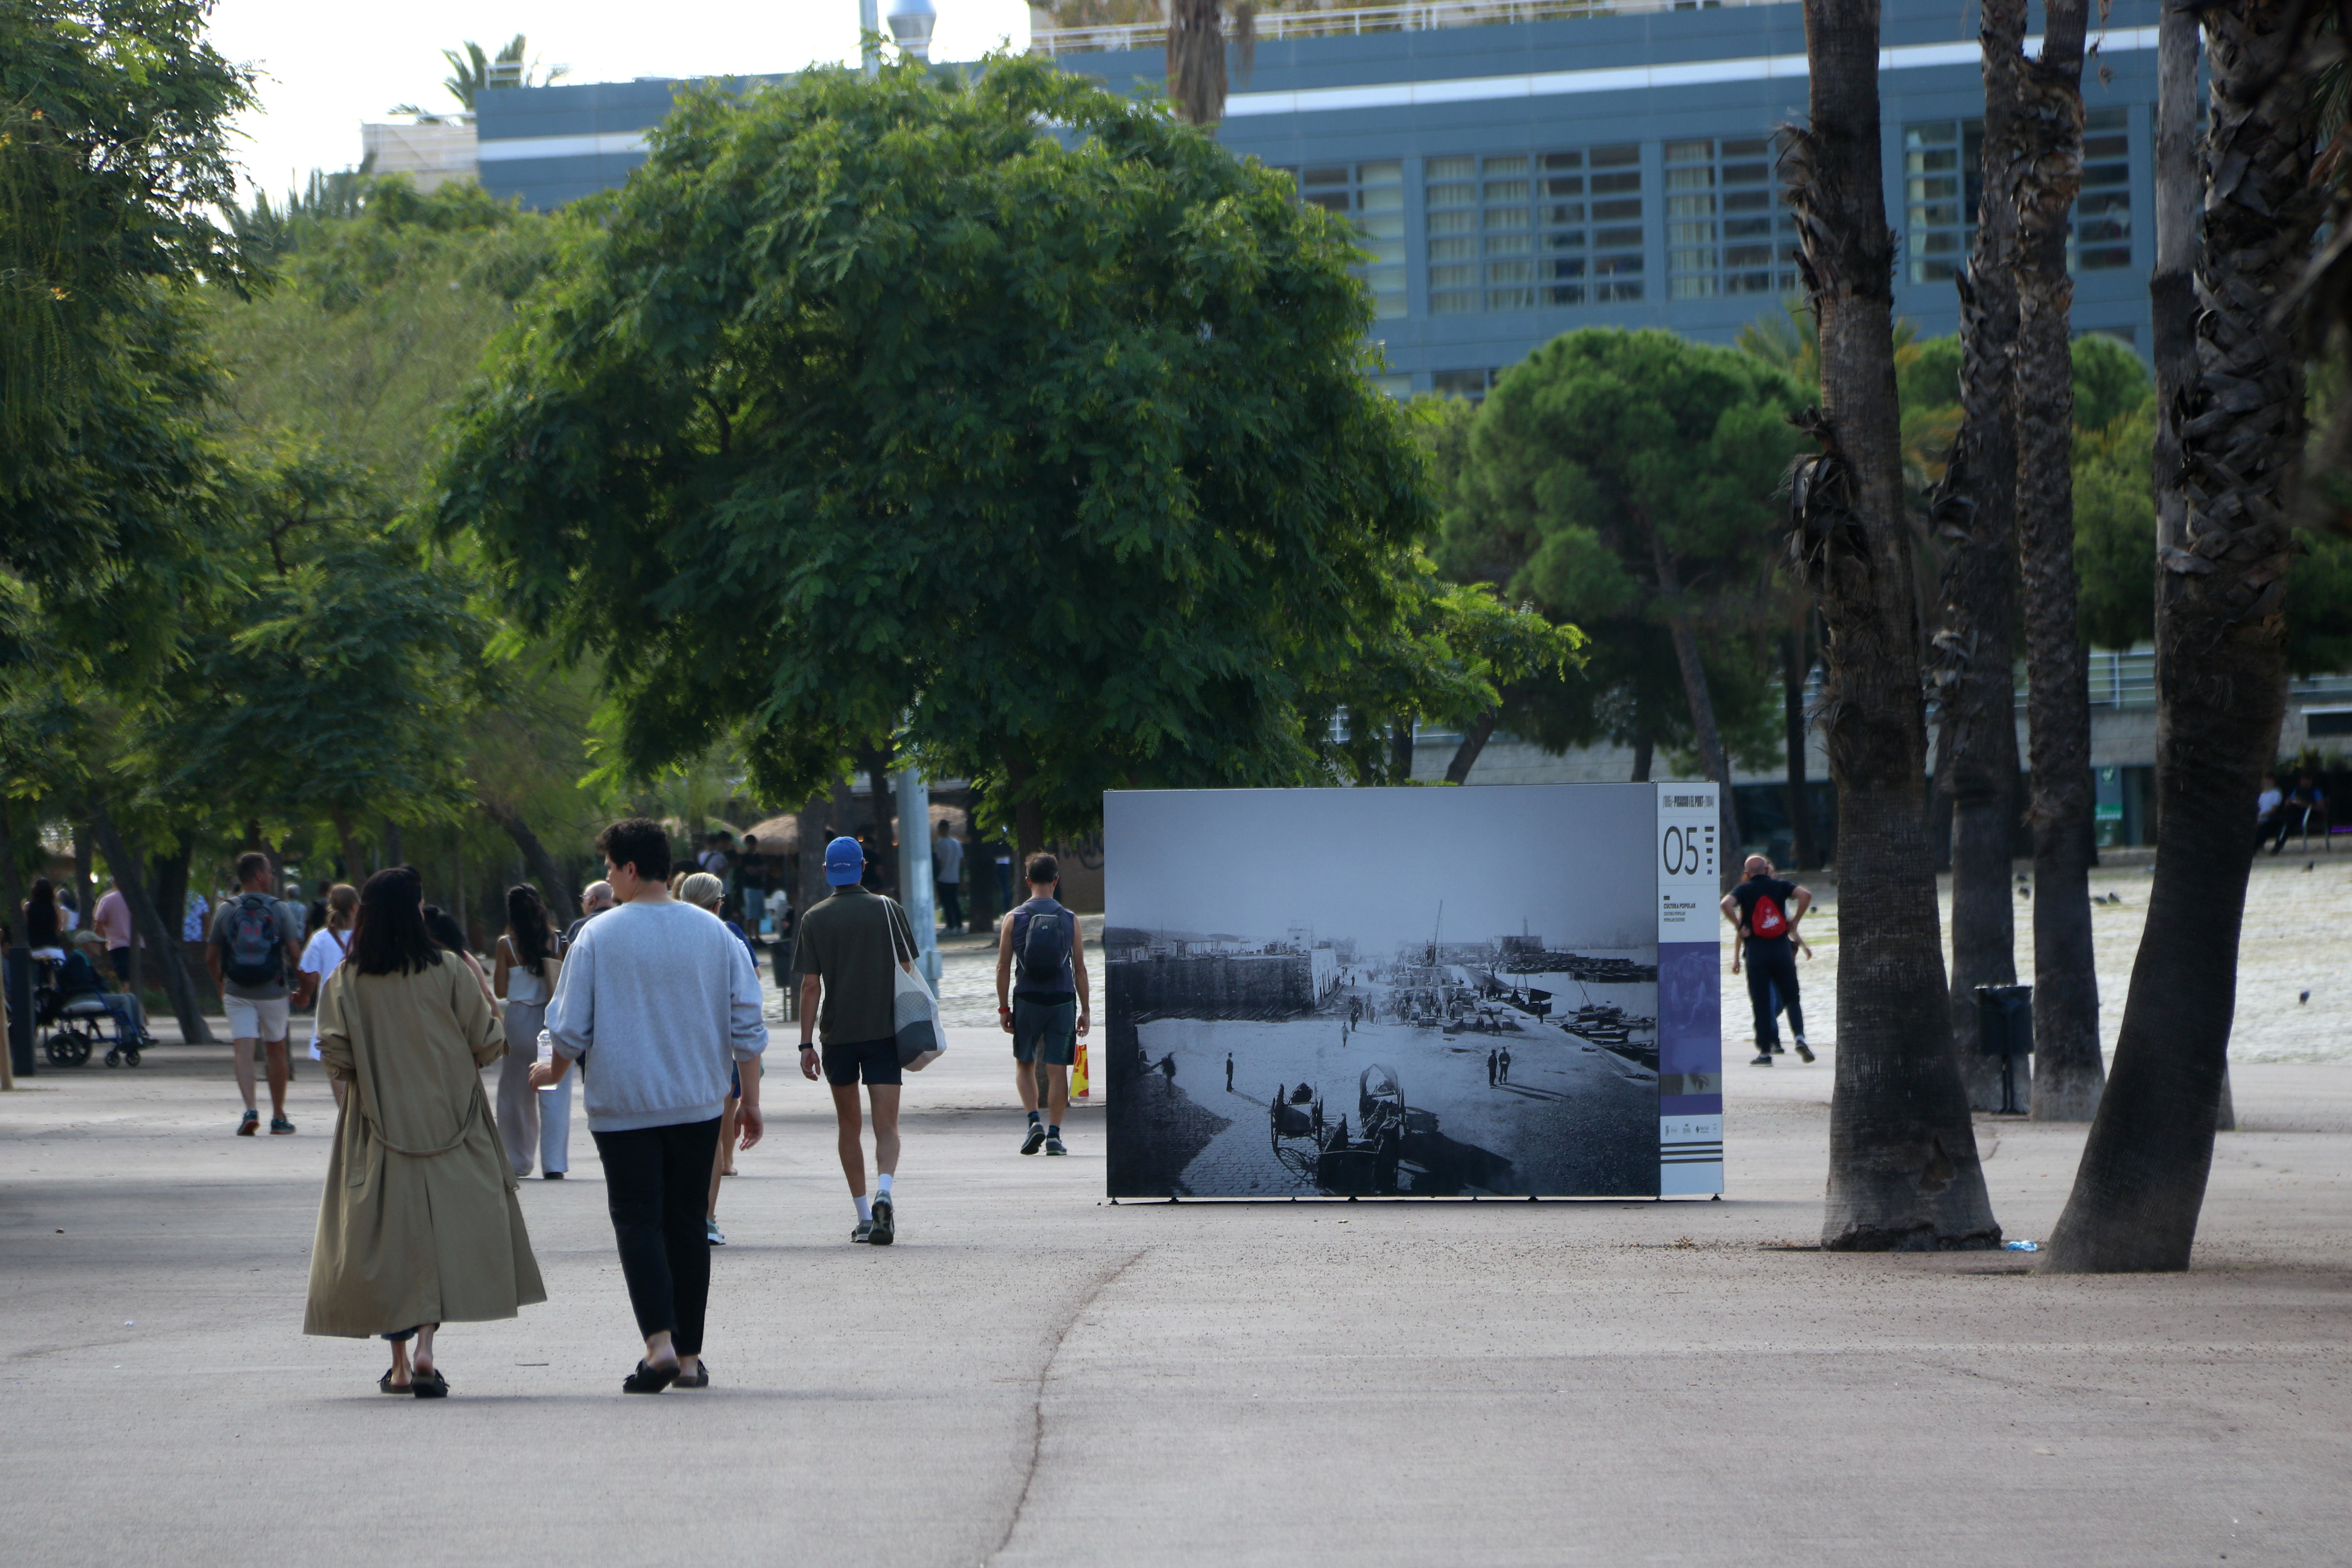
(1355, 995)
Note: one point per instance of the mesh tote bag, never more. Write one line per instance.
(915, 1012)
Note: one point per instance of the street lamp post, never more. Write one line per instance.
(869, 22)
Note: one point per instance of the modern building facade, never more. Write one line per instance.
(1601, 165)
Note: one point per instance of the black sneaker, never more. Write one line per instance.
(1054, 1146)
(884, 1232)
(1763, 1059)
(278, 1125)
(250, 1125)
(1779, 1049)
(1804, 1050)
(864, 1231)
(1029, 1145)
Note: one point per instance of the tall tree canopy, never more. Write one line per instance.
(1625, 480)
(1018, 420)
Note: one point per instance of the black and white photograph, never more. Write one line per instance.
(1381, 992)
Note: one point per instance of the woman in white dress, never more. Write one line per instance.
(531, 1121)
(323, 954)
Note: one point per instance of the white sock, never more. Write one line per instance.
(882, 1185)
(864, 1210)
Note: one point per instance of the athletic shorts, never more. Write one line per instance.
(877, 1061)
(1046, 1031)
(256, 1019)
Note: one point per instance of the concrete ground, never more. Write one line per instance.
(1033, 1376)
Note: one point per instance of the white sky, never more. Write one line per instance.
(1574, 861)
(329, 67)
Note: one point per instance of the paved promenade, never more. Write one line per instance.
(1036, 1376)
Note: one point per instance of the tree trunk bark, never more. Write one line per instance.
(561, 897)
(1904, 1170)
(12, 874)
(1401, 752)
(2172, 295)
(1196, 60)
(1684, 637)
(1028, 816)
(2219, 653)
(172, 893)
(877, 760)
(161, 940)
(392, 853)
(1644, 752)
(2067, 1069)
(83, 904)
(1793, 668)
(1465, 755)
(1975, 516)
(346, 848)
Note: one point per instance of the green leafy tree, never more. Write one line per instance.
(113, 143)
(1625, 479)
(1017, 422)
(473, 73)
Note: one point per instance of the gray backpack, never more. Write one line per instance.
(1044, 950)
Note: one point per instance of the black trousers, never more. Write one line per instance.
(658, 1186)
(950, 900)
(1772, 966)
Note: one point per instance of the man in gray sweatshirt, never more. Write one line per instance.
(657, 1001)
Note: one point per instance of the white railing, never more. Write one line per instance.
(1278, 25)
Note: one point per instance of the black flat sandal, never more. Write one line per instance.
(701, 1378)
(649, 1379)
(385, 1385)
(429, 1384)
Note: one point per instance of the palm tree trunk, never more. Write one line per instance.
(1684, 637)
(164, 940)
(1794, 665)
(2172, 294)
(1974, 513)
(1465, 755)
(1196, 60)
(1903, 1170)
(2219, 653)
(2067, 1069)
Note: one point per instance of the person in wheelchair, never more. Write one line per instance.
(77, 977)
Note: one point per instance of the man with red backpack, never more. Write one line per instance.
(253, 954)
(1766, 910)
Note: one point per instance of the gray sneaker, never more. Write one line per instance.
(1036, 1136)
(884, 1230)
(1763, 1059)
(1804, 1050)
(1054, 1146)
(864, 1231)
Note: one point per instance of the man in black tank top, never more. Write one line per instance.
(1042, 1001)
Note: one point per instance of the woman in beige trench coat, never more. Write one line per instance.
(419, 1225)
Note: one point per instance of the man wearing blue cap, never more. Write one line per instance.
(843, 952)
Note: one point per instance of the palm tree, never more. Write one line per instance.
(475, 73)
(1903, 1170)
(2067, 1067)
(1974, 514)
(2222, 556)
(1196, 55)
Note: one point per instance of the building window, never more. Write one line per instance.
(1943, 184)
(1372, 194)
(1527, 231)
(2101, 239)
(1728, 229)
(1473, 385)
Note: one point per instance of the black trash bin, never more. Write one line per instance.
(2005, 1030)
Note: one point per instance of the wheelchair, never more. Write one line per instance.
(70, 1028)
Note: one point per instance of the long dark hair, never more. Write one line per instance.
(527, 925)
(390, 935)
(41, 922)
(443, 927)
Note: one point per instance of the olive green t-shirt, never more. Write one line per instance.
(847, 942)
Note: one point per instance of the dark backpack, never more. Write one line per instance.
(1044, 949)
(257, 951)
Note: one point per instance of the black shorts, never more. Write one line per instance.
(877, 1060)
